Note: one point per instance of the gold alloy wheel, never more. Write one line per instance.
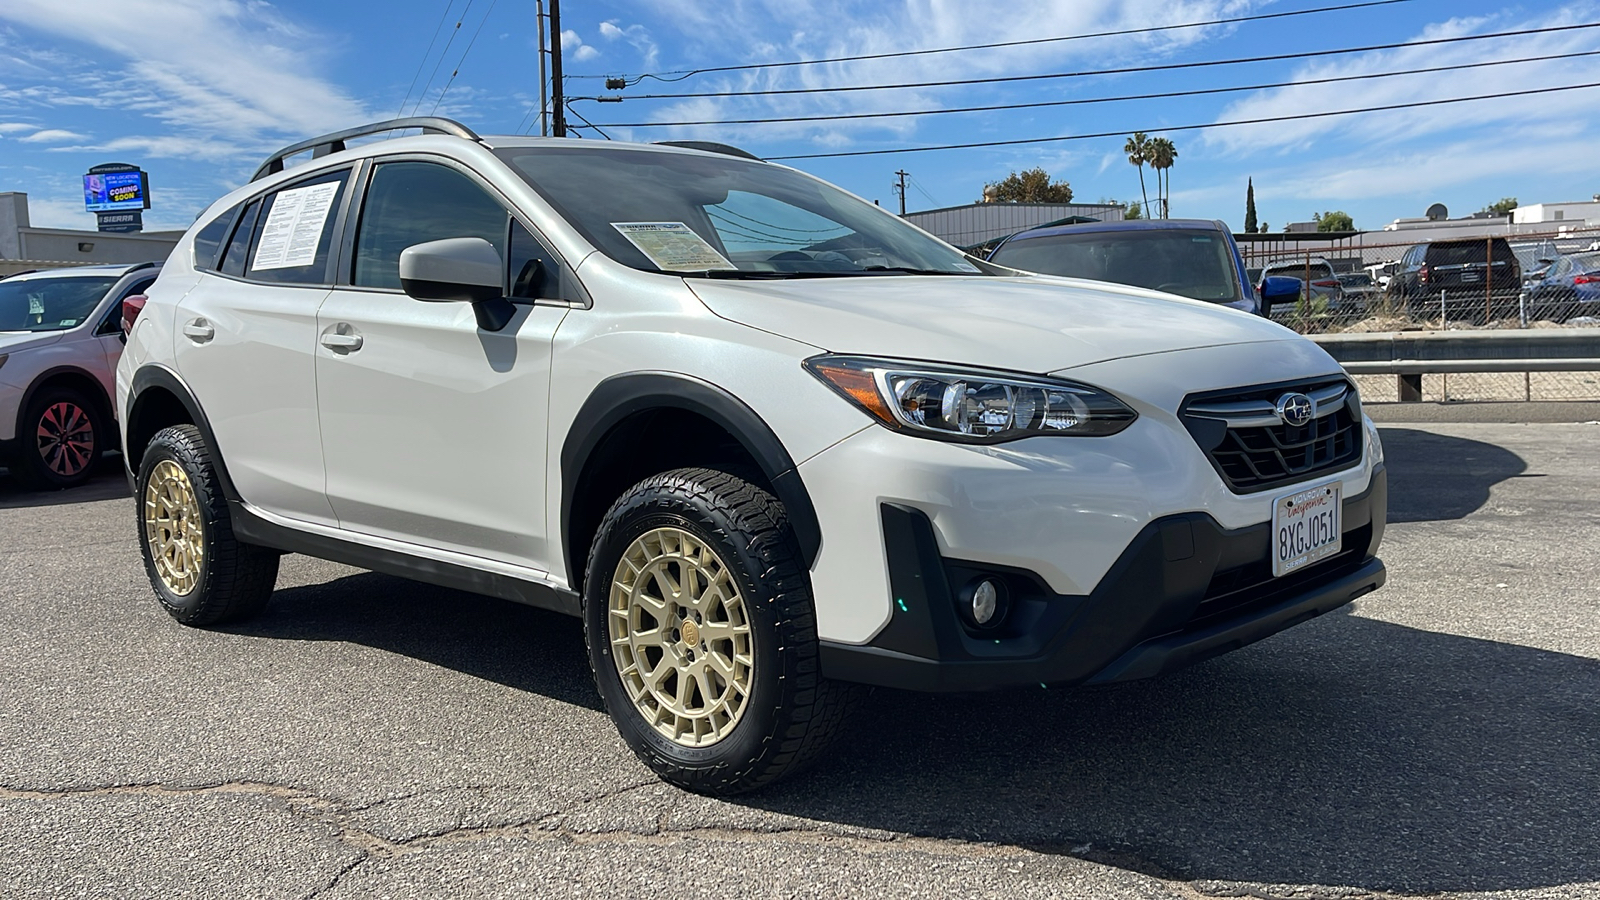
(173, 526)
(680, 637)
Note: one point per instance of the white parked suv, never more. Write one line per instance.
(60, 337)
(769, 441)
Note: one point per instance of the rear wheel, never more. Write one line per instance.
(62, 435)
(702, 634)
(201, 574)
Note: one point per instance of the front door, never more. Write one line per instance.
(433, 429)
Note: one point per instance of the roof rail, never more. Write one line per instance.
(333, 143)
(712, 147)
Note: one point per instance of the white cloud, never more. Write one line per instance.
(14, 127)
(586, 52)
(52, 135)
(763, 30)
(1427, 121)
(610, 31)
(220, 68)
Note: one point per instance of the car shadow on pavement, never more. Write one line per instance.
(497, 640)
(1438, 476)
(109, 483)
(1348, 752)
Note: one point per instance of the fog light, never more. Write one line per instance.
(983, 602)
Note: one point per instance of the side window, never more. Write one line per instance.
(294, 231)
(112, 323)
(535, 271)
(415, 202)
(208, 240)
(238, 249)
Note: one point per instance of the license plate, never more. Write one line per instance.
(1469, 275)
(1306, 527)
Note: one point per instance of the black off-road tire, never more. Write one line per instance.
(31, 468)
(235, 579)
(793, 712)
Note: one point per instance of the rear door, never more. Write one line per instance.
(245, 342)
(434, 429)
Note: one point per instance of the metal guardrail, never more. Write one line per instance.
(1412, 354)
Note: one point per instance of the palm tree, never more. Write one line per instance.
(1161, 155)
(1138, 150)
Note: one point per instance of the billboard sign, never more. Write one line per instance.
(115, 186)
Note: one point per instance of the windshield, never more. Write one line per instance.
(720, 216)
(1194, 264)
(49, 304)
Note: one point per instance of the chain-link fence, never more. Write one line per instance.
(1369, 282)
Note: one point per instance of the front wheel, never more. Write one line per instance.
(62, 436)
(200, 572)
(702, 634)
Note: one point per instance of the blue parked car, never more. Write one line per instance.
(1194, 258)
(1570, 288)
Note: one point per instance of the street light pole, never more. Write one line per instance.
(544, 83)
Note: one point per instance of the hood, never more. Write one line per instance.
(14, 341)
(1029, 324)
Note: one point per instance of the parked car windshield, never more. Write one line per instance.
(1194, 264)
(1448, 254)
(1583, 262)
(1316, 271)
(721, 216)
(49, 304)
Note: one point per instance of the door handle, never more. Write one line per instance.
(341, 343)
(199, 331)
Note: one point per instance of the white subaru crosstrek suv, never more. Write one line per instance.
(60, 338)
(769, 441)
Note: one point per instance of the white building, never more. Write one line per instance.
(24, 247)
(1550, 213)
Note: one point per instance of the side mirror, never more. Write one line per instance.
(1276, 288)
(465, 269)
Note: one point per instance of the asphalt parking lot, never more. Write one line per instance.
(374, 737)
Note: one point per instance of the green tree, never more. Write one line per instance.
(1161, 155)
(1337, 220)
(1138, 150)
(1250, 225)
(1134, 211)
(1032, 186)
(1503, 207)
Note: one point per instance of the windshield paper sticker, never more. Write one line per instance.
(672, 246)
(967, 267)
(294, 227)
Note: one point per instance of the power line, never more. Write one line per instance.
(1172, 128)
(442, 54)
(1312, 54)
(425, 54)
(587, 122)
(686, 73)
(1091, 100)
(462, 61)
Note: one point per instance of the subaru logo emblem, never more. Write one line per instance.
(1296, 409)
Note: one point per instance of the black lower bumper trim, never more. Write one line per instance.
(1184, 590)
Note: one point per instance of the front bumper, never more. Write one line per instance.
(1184, 590)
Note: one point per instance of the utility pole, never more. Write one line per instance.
(544, 83)
(558, 101)
(900, 189)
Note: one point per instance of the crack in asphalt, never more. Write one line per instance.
(369, 846)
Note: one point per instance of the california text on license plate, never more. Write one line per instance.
(1306, 527)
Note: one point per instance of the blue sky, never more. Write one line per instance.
(199, 91)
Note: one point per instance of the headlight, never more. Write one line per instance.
(970, 405)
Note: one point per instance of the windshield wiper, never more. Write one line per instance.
(759, 274)
(908, 270)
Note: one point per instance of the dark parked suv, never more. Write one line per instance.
(1468, 278)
